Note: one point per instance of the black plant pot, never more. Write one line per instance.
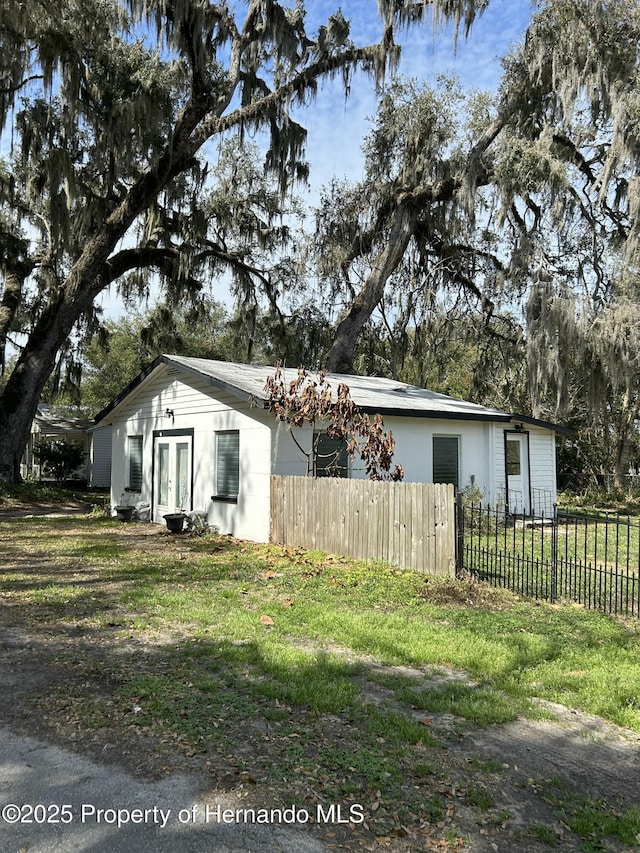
(175, 521)
(124, 513)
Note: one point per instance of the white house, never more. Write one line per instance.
(50, 426)
(95, 442)
(193, 434)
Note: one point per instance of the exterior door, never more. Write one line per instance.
(172, 474)
(517, 462)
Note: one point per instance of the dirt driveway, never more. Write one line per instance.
(54, 761)
(58, 800)
(519, 772)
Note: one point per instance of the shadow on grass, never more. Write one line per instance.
(109, 654)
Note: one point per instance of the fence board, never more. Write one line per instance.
(407, 524)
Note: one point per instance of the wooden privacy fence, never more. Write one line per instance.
(411, 525)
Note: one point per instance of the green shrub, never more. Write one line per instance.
(59, 458)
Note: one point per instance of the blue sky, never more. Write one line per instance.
(336, 127)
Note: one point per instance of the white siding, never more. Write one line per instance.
(287, 458)
(542, 458)
(481, 455)
(199, 406)
(413, 450)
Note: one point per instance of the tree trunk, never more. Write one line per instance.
(14, 281)
(19, 400)
(339, 358)
(624, 441)
(20, 397)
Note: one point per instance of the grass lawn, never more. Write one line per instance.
(295, 671)
(605, 540)
(591, 559)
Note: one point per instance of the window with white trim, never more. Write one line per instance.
(134, 455)
(227, 472)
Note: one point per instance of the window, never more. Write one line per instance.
(513, 457)
(445, 459)
(330, 457)
(135, 462)
(227, 464)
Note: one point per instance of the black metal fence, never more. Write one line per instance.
(588, 558)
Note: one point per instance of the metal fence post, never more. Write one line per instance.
(554, 555)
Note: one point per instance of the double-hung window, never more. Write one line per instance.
(134, 454)
(227, 471)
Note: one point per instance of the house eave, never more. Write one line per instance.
(487, 417)
(435, 414)
(527, 419)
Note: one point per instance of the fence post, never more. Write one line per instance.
(554, 555)
(459, 516)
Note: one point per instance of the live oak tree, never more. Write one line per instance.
(410, 224)
(517, 201)
(113, 109)
(577, 110)
(448, 348)
(472, 198)
(592, 377)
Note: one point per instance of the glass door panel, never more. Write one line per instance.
(162, 494)
(172, 475)
(517, 471)
(183, 478)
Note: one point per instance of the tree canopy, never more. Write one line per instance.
(518, 212)
(114, 109)
(510, 218)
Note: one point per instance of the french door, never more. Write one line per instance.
(172, 474)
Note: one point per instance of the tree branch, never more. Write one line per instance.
(271, 103)
(12, 89)
(129, 259)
